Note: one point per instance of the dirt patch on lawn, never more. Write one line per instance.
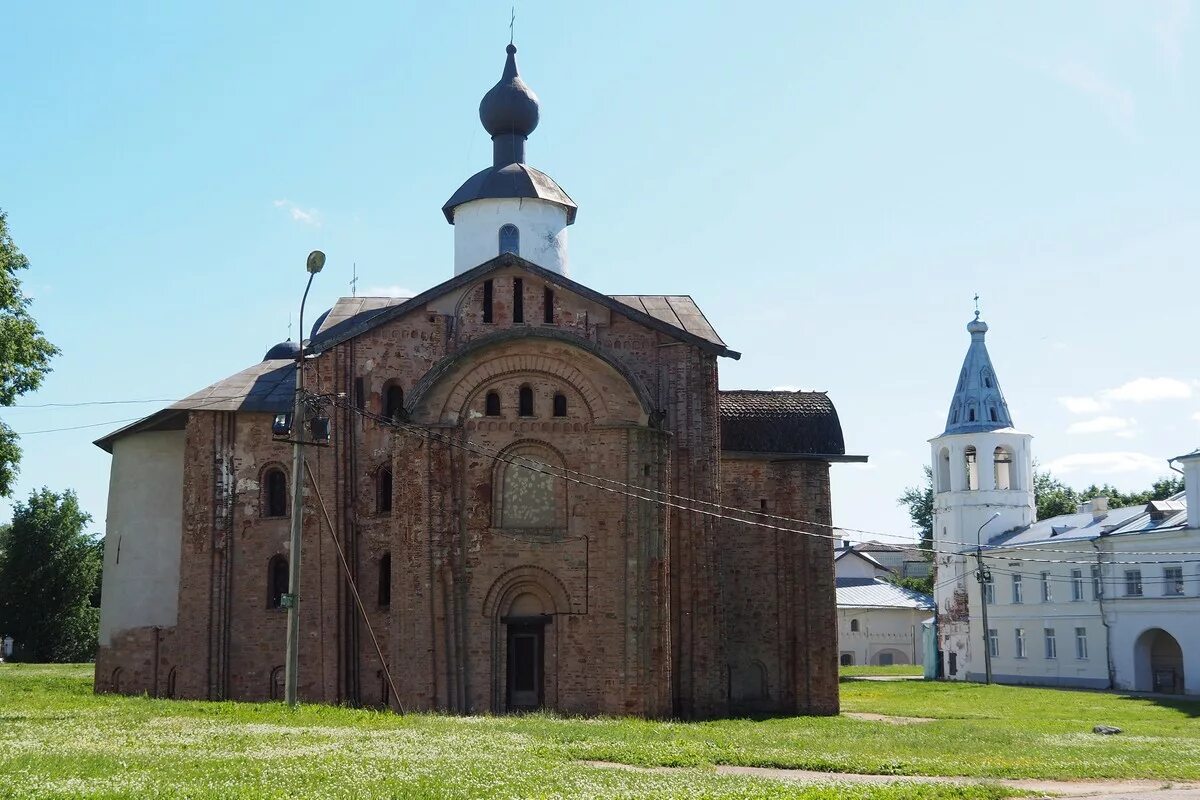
(869, 717)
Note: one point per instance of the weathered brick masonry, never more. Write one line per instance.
(626, 606)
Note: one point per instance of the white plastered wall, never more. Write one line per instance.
(143, 533)
(543, 228)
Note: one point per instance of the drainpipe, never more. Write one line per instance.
(1103, 616)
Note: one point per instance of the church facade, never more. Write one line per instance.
(540, 493)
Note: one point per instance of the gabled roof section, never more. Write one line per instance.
(878, 593)
(783, 424)
(267, 386)
(679, 310)
(850, 551)
(364, 322)
(978, 404)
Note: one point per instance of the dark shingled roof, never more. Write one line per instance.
(795, 424)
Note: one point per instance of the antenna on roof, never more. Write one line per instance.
(354, 281)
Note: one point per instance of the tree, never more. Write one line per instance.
(918, 500)
(24, 352)
(48, 569)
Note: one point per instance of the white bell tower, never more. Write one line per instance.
(982, 468)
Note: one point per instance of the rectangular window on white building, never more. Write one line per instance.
(1018, 597)
(1173, 581)
(1047, 593)
(993, 642)
(989, 590)
(1076, 585)
(1051, 643)
(1020, 642)
(1097, 587)
(1133, 583)
(1081, 643)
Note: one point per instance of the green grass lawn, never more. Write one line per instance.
(894, 669)
(57, 739)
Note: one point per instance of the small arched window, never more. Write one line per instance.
(172, 683)
(383, 490)
(393, 402)
(525, 402)
(971, 415)
(854, 626)
(1002, 458)
(491, 404)
(510, 240)
(560, 404)
(277, 581)
(275, 493)
(277, 678)
(116, 679)
(847, 660)
(385, 580)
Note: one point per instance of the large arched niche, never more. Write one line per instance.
(530, 490)
(613, 394)
(528, 579)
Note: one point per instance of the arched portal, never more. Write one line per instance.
(1158, 663)
(889, 656)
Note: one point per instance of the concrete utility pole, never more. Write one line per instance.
(316, 260)
(983, 575)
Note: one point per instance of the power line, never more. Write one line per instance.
(630, 490)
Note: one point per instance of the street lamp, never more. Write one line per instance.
(982, 575)
(316, 261)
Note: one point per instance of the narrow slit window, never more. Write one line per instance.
(560, 405)
(510, 240)
(518, 300)
(277, 494)
(385, 580)
(393, 403)
(383, 490)
(491, 405)
(525, 402)
(548, 306)
(360, 396)
(487, 301)
(277, 581)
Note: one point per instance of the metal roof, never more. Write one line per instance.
(364, 322)
(266, 386)
(679, 310)
(1085, 526)
(786, 424)
(978, 404)
(878, 593)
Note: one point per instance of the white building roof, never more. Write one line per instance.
(877, 593)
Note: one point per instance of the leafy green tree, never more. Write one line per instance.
(48, 571)
(24, 352)
(918, 501)
(923, 585)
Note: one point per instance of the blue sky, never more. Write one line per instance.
(831, 183)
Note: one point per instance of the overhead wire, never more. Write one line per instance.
(636, 492)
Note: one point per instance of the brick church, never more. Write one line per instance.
(606, 579)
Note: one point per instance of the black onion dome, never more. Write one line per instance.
(510, 106)
(288, 350)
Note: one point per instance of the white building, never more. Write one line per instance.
(879, 623)
(1103, 598)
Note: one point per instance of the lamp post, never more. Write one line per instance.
(316, 261)
(982, 575)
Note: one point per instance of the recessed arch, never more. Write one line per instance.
(943, 470)
(971, 465)
(529, 488)
(540, 582)
(273, 490)
(1004, 469)
(442, 394)
(1158, 662)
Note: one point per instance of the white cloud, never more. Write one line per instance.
(1101, 425)
(1116, 101)
(309, 216)
(389, 291)
(1169, 30)
(1081, 405)
(1107, 463)
(1143, 390)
